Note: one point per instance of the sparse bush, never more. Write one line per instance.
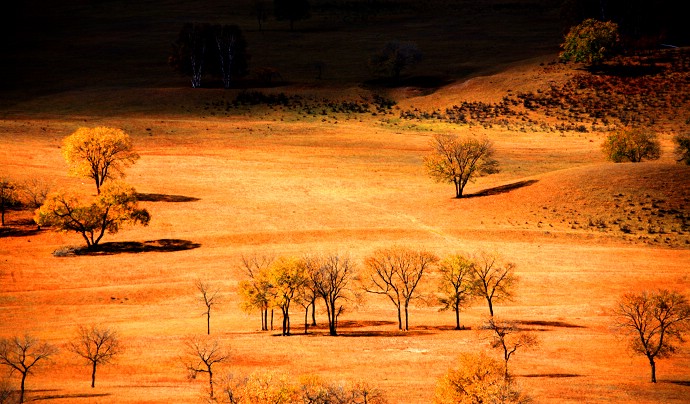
(35, 191)
(266, 387)
(477, 379)
(682, 150)
(632, 145)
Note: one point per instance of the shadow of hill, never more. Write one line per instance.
(502, 189)
(143, 197)
(135, 247)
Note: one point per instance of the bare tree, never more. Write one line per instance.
(395, 273)
(209, 296)
(331, 277)
(455, 286)
(35, 191)
(257, 290)
(8, 197)
(507, 336)
(201, 356)
(654, 321)
(23, 355)
(492, 279)
(98, 345)
(460, 160)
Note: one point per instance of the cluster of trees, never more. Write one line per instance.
(203, 49)
(100, 154)
(280, 283)
(636, 144)
(394, 272)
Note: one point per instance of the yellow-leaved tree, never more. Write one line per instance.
(98, 153)
(115, 206)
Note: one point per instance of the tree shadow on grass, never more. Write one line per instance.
(551, 375)
(685, 383)
(18, 231)
(135, 247)
(69, 396)
(550, 324)
(164, 198)
(502, 189)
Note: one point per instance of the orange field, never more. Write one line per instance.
(225, 182)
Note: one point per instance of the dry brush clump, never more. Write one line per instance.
(477, 379)
(638, 91)
(269, 387)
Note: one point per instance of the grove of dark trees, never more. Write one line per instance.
(204, 50)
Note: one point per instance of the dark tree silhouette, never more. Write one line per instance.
(654, 321)
(209, 297)
(291, 10)
(97, 345)
(201, 357)
(213, 50)
(23, 355)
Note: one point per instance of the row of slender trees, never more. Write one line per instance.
(395, 273)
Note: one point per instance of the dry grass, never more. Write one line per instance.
(236, 186)
(278, 181)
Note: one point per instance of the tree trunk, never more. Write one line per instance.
(271, 319)
(208, 322)
(491, 306)
(210, 382)
(400, 327)
(93, 374)
(407, 323)
(653, 366)
(313, 313)
(332, 321)
(306, 320)
(21, 388)
(457, 316)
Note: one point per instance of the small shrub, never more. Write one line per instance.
(682, 150)
(632, 145)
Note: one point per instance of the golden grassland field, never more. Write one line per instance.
(283, 188)
(223, 183)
